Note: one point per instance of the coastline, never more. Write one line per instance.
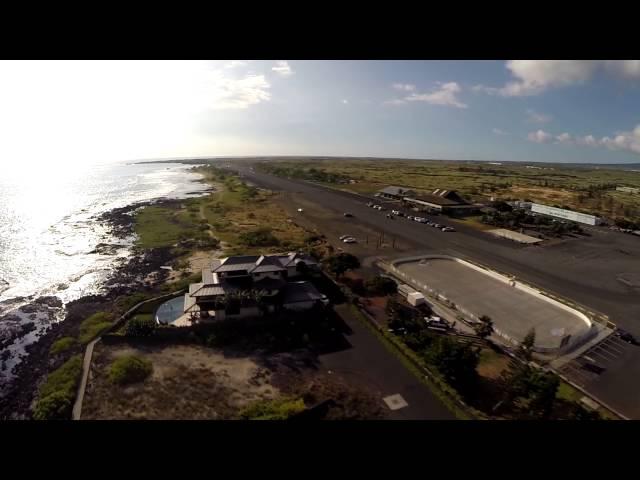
(128, 277)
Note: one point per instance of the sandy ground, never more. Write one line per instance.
(188, 382)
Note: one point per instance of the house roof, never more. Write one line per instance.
(296, 292)
(441, 197)
(394, 190)
(268, 284)
(267, 264)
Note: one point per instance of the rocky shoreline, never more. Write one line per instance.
(17, 397)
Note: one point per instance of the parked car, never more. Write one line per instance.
(409, 217)
(389, 216)
(448, 229)
(347, 214)
(437, 225)
(395, 212)
(369, 204)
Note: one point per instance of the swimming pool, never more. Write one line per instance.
(170, 310)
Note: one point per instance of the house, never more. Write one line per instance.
(250, 285)
(442, 201)
(395, 193)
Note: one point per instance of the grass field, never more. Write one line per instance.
(591, 190)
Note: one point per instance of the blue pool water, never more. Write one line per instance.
(170, 310)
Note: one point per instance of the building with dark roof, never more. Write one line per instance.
(396, 193)
(249, 285)
(442, 201)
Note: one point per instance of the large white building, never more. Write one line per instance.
(565, 214)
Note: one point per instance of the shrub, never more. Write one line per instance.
(280, 409)
(62, 345)
(56, 395)
(140, 327)
(380, 285)
(261, 237)
(94, 326)
(129, 369)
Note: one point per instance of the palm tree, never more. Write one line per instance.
(485, 327)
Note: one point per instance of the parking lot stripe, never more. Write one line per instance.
(610, 349)
(606, 357)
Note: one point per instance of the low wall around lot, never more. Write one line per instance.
(573, 342)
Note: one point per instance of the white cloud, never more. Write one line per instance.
(497, 131)
(536, 117)
(532, 77)
(395, 102)
(236, 63)
(540, 137)
(588, 141)
(626, 141)
(445, 95)
(283, 68)
(404, 86)
(240, 93)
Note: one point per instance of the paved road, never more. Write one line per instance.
(587, 270)
(370, 363)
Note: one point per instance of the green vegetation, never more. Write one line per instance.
(485, 327)
(57, 394)
(342, 262)
(589, 189)
(279, 409)
(94, 326)
(311, 174)
(141, 325)
(261, 237)
(380, 285)
(62, 345)
(129, 369)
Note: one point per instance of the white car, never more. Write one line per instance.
(448, 229)
(349, 240)
(300, 210)
(342, 237)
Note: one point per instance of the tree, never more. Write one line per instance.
(544, 387)
(485, 327)
(380, 285)
(525, 349)
(342, 262)
(457, 361)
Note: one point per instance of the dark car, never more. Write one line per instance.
(626, 337)
(347, 214)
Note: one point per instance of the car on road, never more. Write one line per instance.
(369, 204)
(448, 229)
(300, 210)
(349, 240)
(395, 212)
(409, 217)
(347, 214)
(389, 216)
(437, 225)
(626, 337)
(342, 237)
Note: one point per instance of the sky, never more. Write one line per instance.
(76, 113)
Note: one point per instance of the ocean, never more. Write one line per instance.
(48, 233)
